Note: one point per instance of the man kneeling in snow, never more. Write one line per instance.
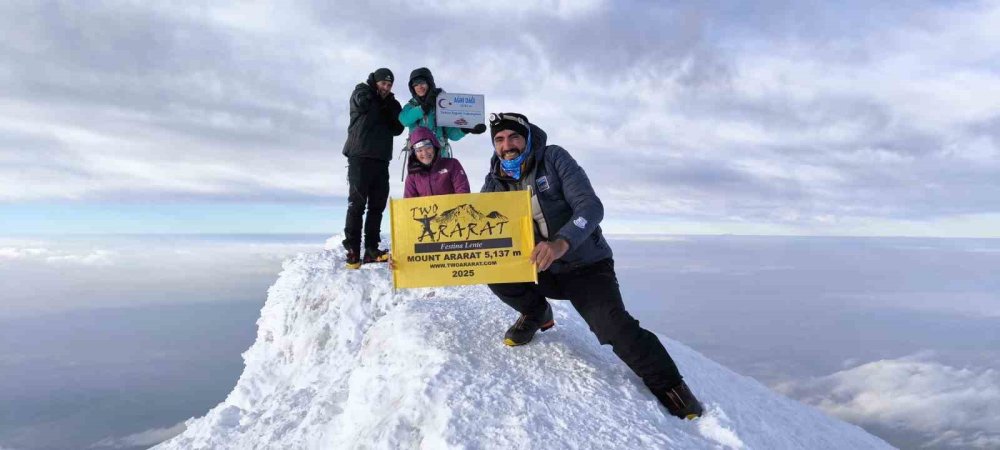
(573, 258)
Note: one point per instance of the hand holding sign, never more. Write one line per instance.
(429, 100)
(478, 129)
(545, 253)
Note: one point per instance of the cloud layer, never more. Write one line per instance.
(67, 274)
(798, 114)
(95, 257)
(950, 407)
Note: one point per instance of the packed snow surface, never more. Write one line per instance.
(343, 362)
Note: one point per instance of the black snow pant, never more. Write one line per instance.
(369, 187)
(593, 291)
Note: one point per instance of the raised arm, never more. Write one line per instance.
(361, 100)
(410, 114)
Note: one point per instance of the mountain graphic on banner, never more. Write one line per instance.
(466, 213)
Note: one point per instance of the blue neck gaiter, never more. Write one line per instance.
(513, 167)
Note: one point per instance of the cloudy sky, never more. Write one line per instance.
(771, 117)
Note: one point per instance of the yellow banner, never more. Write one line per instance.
(447, 240)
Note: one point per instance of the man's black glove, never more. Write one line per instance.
(478, 129)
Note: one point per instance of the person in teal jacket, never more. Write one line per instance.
(421, 110)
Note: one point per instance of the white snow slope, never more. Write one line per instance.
(341, 362)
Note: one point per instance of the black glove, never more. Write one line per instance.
(430, 100)
(478, 129)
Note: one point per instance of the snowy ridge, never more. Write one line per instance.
(341, 362)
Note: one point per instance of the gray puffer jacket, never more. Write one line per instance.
(569, 204)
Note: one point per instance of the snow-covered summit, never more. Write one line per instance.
(342, 362)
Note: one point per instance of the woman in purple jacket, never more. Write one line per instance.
(428, 173)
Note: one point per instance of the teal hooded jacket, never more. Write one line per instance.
(413, 116)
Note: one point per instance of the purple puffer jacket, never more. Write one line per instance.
(444, 176)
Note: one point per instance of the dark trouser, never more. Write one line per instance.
(594, 292)
(369, 180)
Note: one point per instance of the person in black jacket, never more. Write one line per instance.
(573, 258)
(374, 122)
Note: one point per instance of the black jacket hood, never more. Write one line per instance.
(424, 73)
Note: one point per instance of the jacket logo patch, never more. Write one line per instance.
(580, 222)
(543, 185)
(443, 171)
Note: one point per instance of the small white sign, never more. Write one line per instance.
(460, 110)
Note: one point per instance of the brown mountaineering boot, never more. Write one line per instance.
(680, 402)
(525, 328)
